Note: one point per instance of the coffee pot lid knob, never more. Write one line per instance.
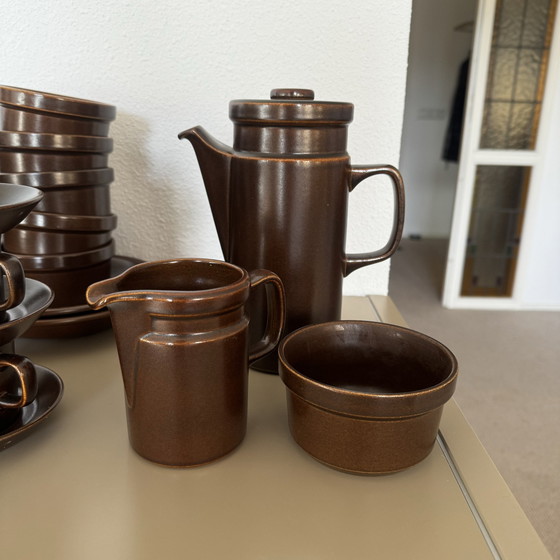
(292, 93)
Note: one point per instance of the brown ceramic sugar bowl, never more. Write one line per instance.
(365, 397)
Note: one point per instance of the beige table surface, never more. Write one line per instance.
(75, 490)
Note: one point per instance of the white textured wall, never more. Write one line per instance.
(436, 52)
(173, 64)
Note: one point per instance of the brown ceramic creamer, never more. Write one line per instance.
(279, 199)
(181, 328)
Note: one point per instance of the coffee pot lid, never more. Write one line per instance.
(290, 106)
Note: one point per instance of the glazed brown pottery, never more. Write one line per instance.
(89, 200)
(18, 381)
(70, 222)
(15, 204)
(20, 319)
(49, 392)
(181, 331)
(28, 162)
(23, 240)
(70, 284)
(18, 387)
(55, 105)
(365, 397)
(279, 199)
(36, 142)
(81, 192)
(55, 179)
(67, 261)
(33, 121)
(12, 283)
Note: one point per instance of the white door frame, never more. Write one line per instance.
(472, 155)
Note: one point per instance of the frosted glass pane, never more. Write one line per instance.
(527, 76)
(496, 117)
(522, 126)
(518, 61)
(508, 26)
(502, 80)
(495, 229)
(535, 24)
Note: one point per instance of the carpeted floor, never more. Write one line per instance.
(509, 385)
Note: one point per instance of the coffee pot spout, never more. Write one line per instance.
(214, 159)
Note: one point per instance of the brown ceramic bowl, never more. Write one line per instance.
(81, 192)
(38, 142)
(69, 222)
(365, 397)
(55, 179)
(70, 284)
(31, 241)
(24, 120)
(31, 162)
(65, 261)
(90, 200)
(53, 103)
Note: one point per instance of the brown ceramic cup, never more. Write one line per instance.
(12, 282)
(365, 397)
(18, 386)
(181, 328)
(20, 389)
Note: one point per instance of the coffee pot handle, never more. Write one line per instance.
(276, 312)
(357, 174)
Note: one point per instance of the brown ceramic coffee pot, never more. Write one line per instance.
(279, 199)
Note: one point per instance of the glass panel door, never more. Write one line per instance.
(513, 45)
(516, 73)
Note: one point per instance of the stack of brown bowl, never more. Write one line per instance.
(60, 145)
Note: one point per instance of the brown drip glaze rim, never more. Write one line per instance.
(71, 178)
(50, 221)
(290, 106)
(38, 141)
(54, 103)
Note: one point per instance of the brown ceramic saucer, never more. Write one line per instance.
(19, 319)
(72, 178)
(54, 103)
(79, 320)
(49, 393)
(16, 201)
